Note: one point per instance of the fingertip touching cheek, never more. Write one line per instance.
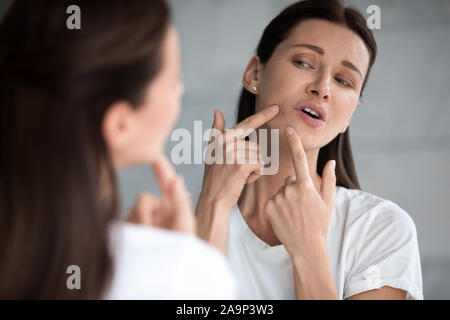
(315, 75)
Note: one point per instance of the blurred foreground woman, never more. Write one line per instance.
(75, 105)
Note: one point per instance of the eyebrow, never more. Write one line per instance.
(317, 49)
(320, 51)
(351, 66)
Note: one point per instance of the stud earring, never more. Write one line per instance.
(254, 88)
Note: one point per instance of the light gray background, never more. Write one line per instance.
(400, 134)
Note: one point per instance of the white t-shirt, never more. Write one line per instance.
(372, 242)
(153, 263)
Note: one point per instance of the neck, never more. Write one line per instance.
(255, 196)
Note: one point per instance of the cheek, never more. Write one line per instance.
(170, 109)
(344, 105)
(162, 117)
(156, 120)
(282, 120)
(165, 107)
(279, 84)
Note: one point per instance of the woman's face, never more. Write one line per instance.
(319, 62)
(146, 128)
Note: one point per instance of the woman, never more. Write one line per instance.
(309, 231)
(75, 105)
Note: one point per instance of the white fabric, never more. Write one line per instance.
(153, 263)
(372, 242)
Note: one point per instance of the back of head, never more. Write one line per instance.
(57, 184)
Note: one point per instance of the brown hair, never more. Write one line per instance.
(55, 86)
(277, 31)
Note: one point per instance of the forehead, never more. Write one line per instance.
(337, 41)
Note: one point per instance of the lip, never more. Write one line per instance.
(310, 120)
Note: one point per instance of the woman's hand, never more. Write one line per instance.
(224, 182)
(300, 216)
(173, 211)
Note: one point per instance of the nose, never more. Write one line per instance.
(320, 88)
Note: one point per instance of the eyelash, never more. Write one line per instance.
(339, 80)
(345, 85)
(300, 61)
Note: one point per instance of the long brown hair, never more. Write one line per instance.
(278, 30)
(55, 87)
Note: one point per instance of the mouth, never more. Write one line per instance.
(312, 113)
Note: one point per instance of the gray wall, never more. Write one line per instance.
(400, 134)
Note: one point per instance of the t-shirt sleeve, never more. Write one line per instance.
(388, 255)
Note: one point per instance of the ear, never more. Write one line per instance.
(252, 75)
(116, 126)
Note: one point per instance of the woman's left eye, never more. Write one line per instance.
(343, 82)
(302, 63)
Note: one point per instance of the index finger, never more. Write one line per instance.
(255, 121)
(298, 156)
(164, 173)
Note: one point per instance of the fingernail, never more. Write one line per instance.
(274, 108)
(289, 131)
(333, 165)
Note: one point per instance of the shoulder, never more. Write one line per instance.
(174, 264)
(381, 244)
(372, 211)
(135, 236)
